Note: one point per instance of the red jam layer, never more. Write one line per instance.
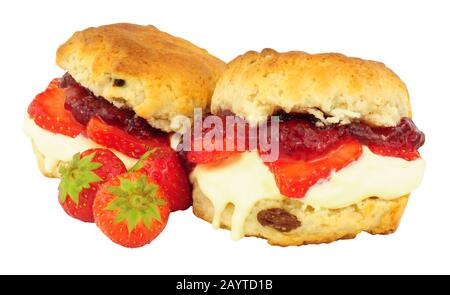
(308, 150)
(84, 105)
(302, 137)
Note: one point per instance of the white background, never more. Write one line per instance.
(411, 38)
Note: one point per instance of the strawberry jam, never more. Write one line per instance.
(84, 105)
(302, 137)
(302, 140)
(309, 151)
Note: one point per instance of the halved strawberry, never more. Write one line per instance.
(382, 150)
(54, 84)
(48, 112)
(209, 152)
(295, 177)
(205, 157)
(213, 144)
(115, 138)
(164, 167)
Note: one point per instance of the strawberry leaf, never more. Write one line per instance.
(146, 222)
(122, 215)
(134, 216)
(115, 190)
(76, 176)
(126, 185)
(136, 201)
(117, 203)
(153, 213)
(140, 163)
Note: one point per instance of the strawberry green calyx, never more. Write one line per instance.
(140, 163)
(137, 202)
(76, 176)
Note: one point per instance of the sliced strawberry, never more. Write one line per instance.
(164, 167)
(209, 152)
(54, 84)
(115, 138)
(48, 112)
(383, 150)
(205, 157)
(295, 177)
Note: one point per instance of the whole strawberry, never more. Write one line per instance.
(131, 209)
(81, 179)
(163, 166)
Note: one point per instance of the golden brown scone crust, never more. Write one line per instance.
(164, 75)
(372, 215)
(259, 84)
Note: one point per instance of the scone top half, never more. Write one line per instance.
(347, 150)
(160, 76)
(124, 84)
(333, 87)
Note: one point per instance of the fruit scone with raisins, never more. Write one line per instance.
(346, 152)
(103, 128)
(123, 85)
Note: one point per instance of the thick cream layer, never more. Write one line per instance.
(371, 175)
(244, 180)
(58, 147)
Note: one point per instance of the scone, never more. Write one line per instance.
(131, 79)
(340, 153)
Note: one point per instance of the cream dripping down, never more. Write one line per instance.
(243, 180)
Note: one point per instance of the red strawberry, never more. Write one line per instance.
(54, 84)
(116, 138)
(387, 151)
(209, 152)
(48, 112)
(212, 147)
(295, 177)
(205, 157)
(131, 209)
(164, 167)
(81, 179)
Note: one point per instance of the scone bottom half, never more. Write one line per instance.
(292, 223)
